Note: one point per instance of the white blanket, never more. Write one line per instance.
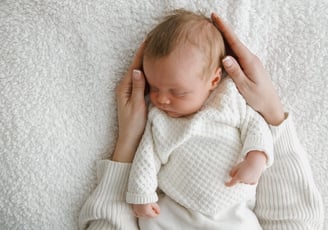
(61, 60)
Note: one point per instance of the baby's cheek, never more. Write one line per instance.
(152, 97)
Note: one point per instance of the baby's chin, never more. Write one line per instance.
(177, 115)
(174, 114)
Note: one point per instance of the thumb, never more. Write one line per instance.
(233, 69)
(138, 85)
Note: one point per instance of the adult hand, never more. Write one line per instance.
(250, 76)
(132, 110)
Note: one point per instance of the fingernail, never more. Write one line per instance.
(215, 15)
(136, 74)
(227, 62)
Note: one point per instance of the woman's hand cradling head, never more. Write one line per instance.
(250, 77)
(132, 110)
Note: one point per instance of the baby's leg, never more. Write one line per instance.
(240, 216)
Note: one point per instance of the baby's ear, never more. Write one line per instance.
(216, 78)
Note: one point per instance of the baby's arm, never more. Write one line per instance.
(257, 146)
(249, 170)
(146, 210)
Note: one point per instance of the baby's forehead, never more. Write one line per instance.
(181, 53)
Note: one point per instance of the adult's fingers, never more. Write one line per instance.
(238, 48)
(137, 61)
(234, 70)
(138, 86)
(136, 64)
(124, 88)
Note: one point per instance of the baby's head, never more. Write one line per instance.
(182, 62)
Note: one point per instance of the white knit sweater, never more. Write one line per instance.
(287, 198)
(190, 158)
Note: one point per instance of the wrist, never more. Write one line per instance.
(124, 150)
(275, 117)
(256, 157)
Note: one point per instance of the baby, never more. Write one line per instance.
(199, 132)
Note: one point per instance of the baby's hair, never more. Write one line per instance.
(182, 26)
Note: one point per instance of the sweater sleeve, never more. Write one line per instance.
(142, 184)
(287, 197)
(106, 208)
(256, 135)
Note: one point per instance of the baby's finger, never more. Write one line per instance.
(138, 215)
(156, 209)
(233, 171)
(232, 182)
(151, 214)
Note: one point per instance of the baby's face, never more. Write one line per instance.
(177, 84)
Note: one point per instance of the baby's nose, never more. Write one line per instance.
(163, 99)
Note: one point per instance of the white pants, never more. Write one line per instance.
(174, 216)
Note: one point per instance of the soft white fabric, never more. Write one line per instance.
(286, 197)
(60, 62)
(107, 201)
(190, 158)
(278, 212)
(175, 217)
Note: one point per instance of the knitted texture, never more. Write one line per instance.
(105, 203)
(278, 196)
(190, 158)
(103, 211)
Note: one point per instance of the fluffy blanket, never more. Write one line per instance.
(61, 60)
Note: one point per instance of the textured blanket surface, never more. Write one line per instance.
(61, 60)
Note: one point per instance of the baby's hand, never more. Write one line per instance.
(146, 210)
(249, 170)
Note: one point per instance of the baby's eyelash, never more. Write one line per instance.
(180, 94)
(153, 89)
